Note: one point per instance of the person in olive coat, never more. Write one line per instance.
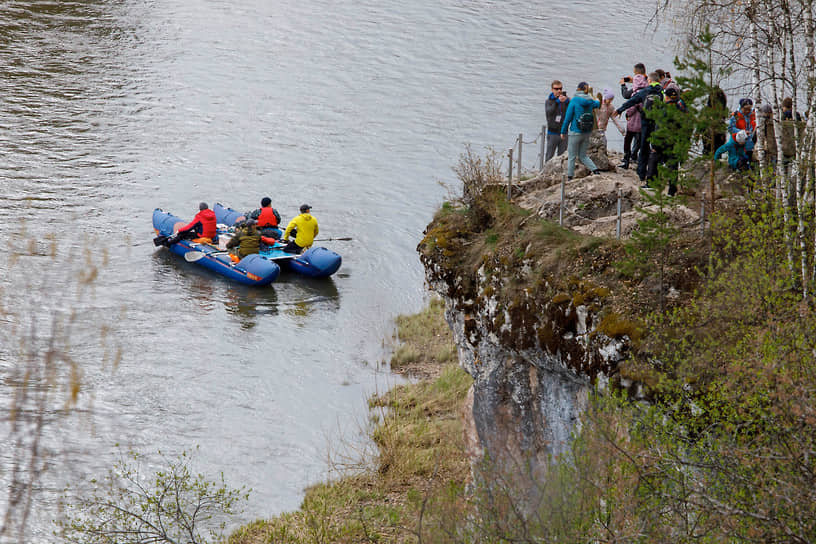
(246, 241)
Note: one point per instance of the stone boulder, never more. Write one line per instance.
(556, 167)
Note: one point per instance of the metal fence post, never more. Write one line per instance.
(510, 173)
(702, 214)
(561, 211)
(518, 161)
(620, 197)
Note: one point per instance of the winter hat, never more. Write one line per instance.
(582, 86)
(608, 93)
(744, 101)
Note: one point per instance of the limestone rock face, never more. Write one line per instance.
(534, 343)
(533, 374)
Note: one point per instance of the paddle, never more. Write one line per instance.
(346, 239)
(193, 256)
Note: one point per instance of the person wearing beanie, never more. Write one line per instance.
(766, 128)
(605, 114)
(735, 148)
(266, 217)
(246, 240)
(579, 121)
(304, 228)
(744, 119)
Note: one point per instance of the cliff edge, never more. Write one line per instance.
(541, 314)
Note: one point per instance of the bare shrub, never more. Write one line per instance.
(476, 172)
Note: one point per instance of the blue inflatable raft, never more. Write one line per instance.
(251, 270)
(315, 262)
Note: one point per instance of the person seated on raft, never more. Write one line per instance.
(303, 228)
(266, 217)
(246, 240)
(201, 229)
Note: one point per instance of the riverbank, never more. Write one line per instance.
(420, 456)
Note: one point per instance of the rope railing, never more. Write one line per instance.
(517, 149)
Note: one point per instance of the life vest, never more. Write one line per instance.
(268, 217)
(743, 123)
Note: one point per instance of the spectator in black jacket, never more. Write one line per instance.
(556, 108)
(644, 97)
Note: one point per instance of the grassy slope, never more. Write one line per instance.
(418, 433)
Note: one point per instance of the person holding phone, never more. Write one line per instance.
(667, 82)
(555, 108)
(631, 141)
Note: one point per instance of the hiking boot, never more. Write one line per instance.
(624, 165)
(596, 172)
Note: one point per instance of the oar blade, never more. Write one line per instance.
(193, 256)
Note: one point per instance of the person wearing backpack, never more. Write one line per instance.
(580, 121)
(645, 98)
(631, 140)
(671, 124)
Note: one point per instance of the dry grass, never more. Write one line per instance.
(419, 436)
(426, 342)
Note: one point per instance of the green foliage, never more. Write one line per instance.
(172, 505)
(647, 250)
(701, 81)
(726, 453)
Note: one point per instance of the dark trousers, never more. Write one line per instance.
(555, 145)
(644, 152)
(292, 247)
(631, 144)
(658, 157)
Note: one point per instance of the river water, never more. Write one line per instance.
(111, 108)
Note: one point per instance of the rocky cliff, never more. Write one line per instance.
(539, 313)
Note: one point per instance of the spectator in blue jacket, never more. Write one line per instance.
(580, 110)
(735, 147)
